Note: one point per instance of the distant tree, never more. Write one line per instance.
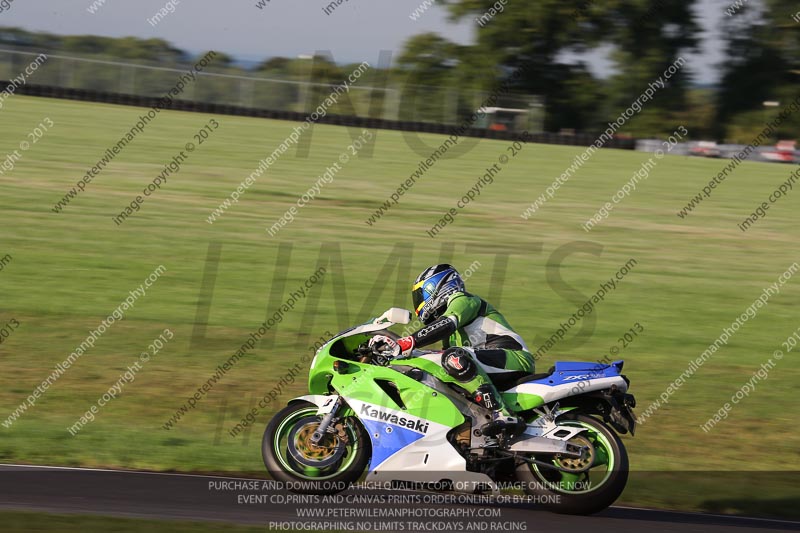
(274, 64)
(24, 38)
(429, 55)
(151, 50)
(645, 38)
(221, 60)
(762, 63)
(441, 79)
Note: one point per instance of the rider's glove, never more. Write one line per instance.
(385, 346)
(389, 348)
(406, 344)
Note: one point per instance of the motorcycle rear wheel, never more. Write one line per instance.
(587, 492)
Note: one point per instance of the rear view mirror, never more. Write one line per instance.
(396, 315)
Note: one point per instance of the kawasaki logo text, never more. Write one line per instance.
(371, 411)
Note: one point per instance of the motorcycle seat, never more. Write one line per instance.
(507, 380)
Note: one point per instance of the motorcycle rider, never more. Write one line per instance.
(460, 319)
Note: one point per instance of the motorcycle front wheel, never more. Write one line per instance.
(324, 468)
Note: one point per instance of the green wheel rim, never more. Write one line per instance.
(604, 456)
(281, 449)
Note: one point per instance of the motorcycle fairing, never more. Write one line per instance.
(571, 378)
(412, 439)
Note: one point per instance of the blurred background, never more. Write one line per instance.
(79, 74)
(585, 61)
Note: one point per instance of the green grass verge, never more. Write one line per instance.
(25, 522)
(69, 270)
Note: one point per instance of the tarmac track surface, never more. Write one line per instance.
(191, 497)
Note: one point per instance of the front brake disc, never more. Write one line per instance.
(329, 450)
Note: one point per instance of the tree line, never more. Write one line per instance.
(551, 38)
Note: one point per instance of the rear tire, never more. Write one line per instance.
(610, 452)
(290, 457)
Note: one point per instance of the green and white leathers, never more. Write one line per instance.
(481, 326)
(408, 420)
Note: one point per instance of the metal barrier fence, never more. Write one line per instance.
(764, 154)
(366, 99)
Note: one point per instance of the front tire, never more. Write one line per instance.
(328, 468)
(587, 492)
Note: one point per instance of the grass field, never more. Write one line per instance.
(27, 522)
(68, 271)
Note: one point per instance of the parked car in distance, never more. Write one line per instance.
(784, 152)
(705, 149)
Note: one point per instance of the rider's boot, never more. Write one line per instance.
(502, 421)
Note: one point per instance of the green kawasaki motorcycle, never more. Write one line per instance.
(408, 421)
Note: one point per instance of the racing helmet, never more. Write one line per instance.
(432, 289)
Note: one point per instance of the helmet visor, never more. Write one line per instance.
(418, 297)
(426, 289)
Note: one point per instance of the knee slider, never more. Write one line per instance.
(458, 363)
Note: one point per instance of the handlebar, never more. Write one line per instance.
(367, 355)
